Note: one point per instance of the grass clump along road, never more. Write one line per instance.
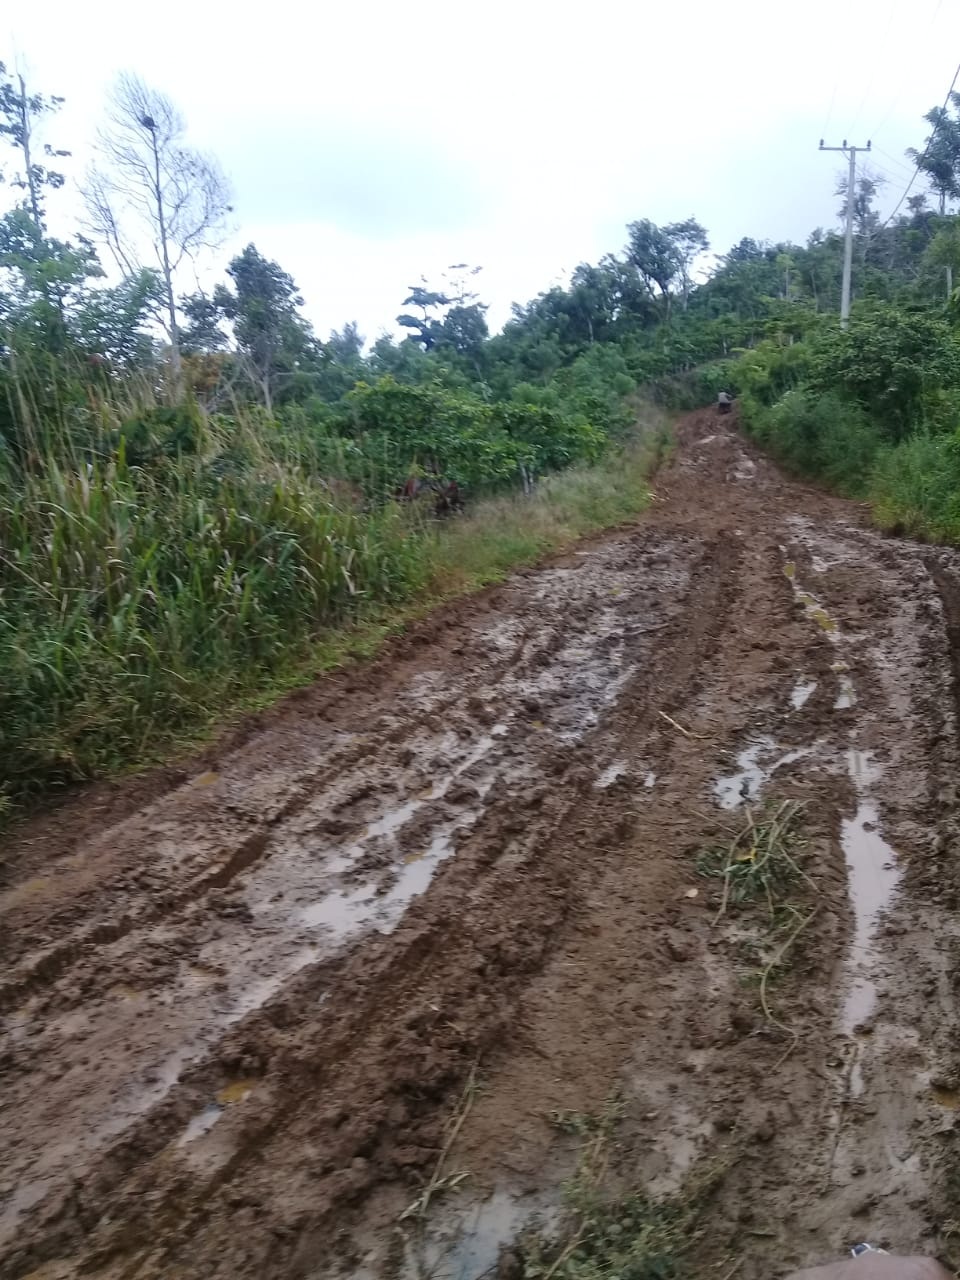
(141, 601)
(194, 487)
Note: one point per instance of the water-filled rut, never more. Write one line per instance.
(239, 1003)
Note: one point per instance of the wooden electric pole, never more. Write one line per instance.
(848, 239)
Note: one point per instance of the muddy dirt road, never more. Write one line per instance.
(239, 1006)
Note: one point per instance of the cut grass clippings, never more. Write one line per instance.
(440, 1180)
(762, 864)
(608, 1233)
(761, 859)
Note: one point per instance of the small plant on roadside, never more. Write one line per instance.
(632, 1237)
(587, 1124)
(948, 1185)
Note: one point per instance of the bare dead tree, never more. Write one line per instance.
(148, 188)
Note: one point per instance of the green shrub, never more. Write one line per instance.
(551, 439)
(161, 431)
(132, 602)
(770, 369)
(822, 436)
(403, 429)
(943, 409)
(894, 363)
(915, 487)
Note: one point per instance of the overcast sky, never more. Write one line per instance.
(370, 143)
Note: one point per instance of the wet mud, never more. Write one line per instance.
(241, 1001)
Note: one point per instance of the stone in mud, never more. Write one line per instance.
(742, 1019)
(678, 945)
(725, 1121)
(766, 1129)
(460, 792)
(863, 1206)
(413, 1157)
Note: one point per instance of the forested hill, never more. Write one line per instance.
(191, 483)
(541, 392)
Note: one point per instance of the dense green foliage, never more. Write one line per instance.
(192, 485)
(139, 601)
(131, 595)
(874, 410)
(192, 489)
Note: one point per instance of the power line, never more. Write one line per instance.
(899, 97)
(887, 176)
(926, 149)
(872, 169)
(873, 63)
(892, 159)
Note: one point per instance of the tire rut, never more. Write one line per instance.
(249, 1027)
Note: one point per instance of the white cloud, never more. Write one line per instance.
(370, 144)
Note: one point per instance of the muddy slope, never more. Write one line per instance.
(237, 1016)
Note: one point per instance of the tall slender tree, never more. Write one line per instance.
(431, 302)
(20, 114)
(151, 198)
(664, 256)
(939, 161)
(273, 340)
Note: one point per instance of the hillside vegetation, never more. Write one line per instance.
(196, 488)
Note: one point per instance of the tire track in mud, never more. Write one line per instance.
(155, 894)
(640, 998)
(896, 1006)
(255, 1000)
(574, 707)
(844, 1139)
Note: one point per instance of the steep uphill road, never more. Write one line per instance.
(240, 1004)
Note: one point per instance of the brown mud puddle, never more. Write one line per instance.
(240, 1009)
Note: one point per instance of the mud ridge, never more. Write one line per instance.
(262, 992)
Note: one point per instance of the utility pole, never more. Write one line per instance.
(848, 240)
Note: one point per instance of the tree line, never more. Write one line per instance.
(194, 483)
(154, 205)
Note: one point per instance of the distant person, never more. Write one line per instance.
(724, 402)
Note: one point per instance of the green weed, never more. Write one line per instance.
(762, 864)
(916, 487)
(610, 1233)
(141, 604)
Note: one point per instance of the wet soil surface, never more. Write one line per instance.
(239, 1006)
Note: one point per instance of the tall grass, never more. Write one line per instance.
(822, 436)
(500, 533)
(915, 487)
(139, 603)
(133, 602)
